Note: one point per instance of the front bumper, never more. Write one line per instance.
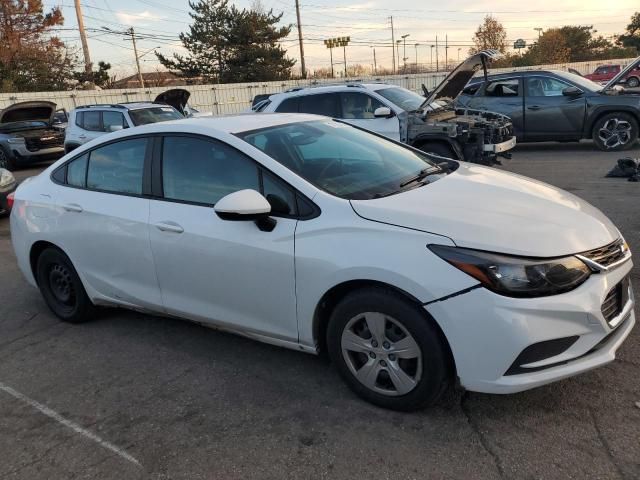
(487, 332)
(23, 155)
(500, 147)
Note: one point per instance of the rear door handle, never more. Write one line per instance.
(82, 136)
(73, 207)
(534, 107)
(169, 227)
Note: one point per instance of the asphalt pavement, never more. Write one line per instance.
(131, 396)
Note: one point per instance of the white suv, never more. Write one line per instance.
(91, 121)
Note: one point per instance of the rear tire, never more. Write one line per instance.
(615, 131)
(388, 351)
(61, 287)
(633, 82)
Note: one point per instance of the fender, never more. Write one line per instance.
(604, 109)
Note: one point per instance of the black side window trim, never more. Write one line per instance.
(146, 169)
(156, 173)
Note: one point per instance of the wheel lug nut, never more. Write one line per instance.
(372, 355)
(392, 357)
(374, 343)
(386, 345)
(383, 363)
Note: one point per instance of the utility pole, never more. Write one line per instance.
(304, 70)
(398, 52)
(375, 64)
(135, 52)
(344, 51)
(416, 47)
(83, 38)
(446, 52)
(431, 59)
(437, 65)
(404, 51)
(393, 45)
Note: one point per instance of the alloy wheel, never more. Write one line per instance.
(615, 132)
(381, 354)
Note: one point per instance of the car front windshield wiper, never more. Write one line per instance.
(422, 174)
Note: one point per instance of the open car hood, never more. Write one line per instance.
(622, 74)
(176, 97)
(453, 84)
(40, 111)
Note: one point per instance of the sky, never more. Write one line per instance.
(366, 22)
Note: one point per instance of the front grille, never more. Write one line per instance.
(34, 144)
(615, 300)
(608, 254)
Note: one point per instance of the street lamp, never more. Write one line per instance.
(398, 51)
(416, 46)
(431, 59)
(459, 54)
(375, 65)
(404, 51)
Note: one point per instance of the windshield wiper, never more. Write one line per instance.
(422, 174)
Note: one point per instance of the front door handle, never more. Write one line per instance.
(534, 107)
(82, 136)
(73, 207)
(169, 227)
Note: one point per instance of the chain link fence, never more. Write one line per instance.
(236, 97)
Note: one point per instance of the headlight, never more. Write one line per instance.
(15, 140)
(6, 177)
(515, 276)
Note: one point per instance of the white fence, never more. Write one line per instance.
(236, 97)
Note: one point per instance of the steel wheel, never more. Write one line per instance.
(61, 285)
(615, 132)
(381, 354)
(633, 82)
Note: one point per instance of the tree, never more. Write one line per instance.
(631, 38)
(230, 45)
(490, 35)
(550, 48)
(99, 78)
(31, 56)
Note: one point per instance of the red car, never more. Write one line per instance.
(604, 73)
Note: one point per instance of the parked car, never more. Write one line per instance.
(312, 234)
(604, 73)
(430, 124)
(92, 121)
(8, 185)
(27, 134)
(550, 105)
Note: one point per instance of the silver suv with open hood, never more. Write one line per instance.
(28, 135)
(432, 124)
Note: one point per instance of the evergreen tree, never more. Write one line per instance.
(226, 44)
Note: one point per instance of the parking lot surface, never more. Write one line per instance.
(132, 396)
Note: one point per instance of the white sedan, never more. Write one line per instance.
(311, 234)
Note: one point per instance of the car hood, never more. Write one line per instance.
(28, 111)
(176, 97)
(453, 84)
(622, 74)
(486, 209)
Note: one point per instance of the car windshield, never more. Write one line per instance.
(144, 116)
(342, 160)
(405, 99)
(581, 82)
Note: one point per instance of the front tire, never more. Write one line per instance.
(61, 287)
(388, 351)
(615, 131)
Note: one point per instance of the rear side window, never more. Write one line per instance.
(80, 119)
(118, 167)
(289, 105)
(77, 171)
(92, 122)
(203, 171)
(320, 104)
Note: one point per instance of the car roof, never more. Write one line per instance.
(517, 73)
(354, 86)
(121, 106)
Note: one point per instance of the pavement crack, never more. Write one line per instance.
(483, 440)
(605, 443)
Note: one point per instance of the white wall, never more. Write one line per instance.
(236, 97)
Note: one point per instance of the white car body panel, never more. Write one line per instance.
(269, 285)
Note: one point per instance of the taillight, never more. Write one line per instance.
(10, 199)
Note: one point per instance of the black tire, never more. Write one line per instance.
(61, 287)
(438, 148)
(435, 371)
(6, 161)
(633, 82)
(615, 131)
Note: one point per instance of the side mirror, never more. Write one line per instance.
(115, 128)
(382, 112)
(572, 92)
(246, 205)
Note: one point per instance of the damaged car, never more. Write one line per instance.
(431, 124)
(178, 98)
(28, 134)
(553, 105)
